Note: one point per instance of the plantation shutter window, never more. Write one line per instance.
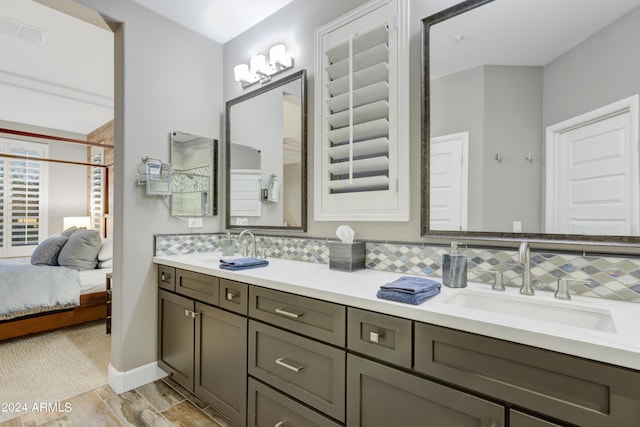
(361, 115)
(22, 197)
(96, 197)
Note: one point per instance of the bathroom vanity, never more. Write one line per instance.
(298, 344)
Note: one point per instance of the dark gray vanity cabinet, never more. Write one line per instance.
(221, 361)
(567, 388)
(381, 396)
(201, 346)
(175, 337)
(296, 346)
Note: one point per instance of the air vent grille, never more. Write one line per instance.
(22, 31)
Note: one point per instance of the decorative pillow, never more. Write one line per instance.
(47, 252)
(106, 250)
(106, 263)
(69, 231)
(81, 250)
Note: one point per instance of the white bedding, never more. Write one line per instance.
(90, 280)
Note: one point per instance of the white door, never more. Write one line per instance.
(448, 180)
(592, 184)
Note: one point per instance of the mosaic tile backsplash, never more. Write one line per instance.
(616, 278)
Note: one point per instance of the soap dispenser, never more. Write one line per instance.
(454, 268)
(227, 246)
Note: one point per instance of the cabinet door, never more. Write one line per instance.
(518, 419)
(221, 361)
(175, 337)
(380, 396)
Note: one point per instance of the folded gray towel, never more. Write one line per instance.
(242, 263)
(407, 298)
(412, 285)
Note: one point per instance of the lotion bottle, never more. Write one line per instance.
(454, 268)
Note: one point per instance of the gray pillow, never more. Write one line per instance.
(69, 231)
(47, 252)
(81, 250)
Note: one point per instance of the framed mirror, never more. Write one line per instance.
(530, 121)
(194, 175)
(266, 152)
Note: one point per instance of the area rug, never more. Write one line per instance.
(53, 366)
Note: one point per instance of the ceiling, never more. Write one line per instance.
(56, 71)
(219, 20)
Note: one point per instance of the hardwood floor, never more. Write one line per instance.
(163, 403)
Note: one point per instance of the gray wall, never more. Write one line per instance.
(167, 78)
(501, 108)
(603, 69)
(294, 25)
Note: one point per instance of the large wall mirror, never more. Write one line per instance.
(266, 148)
(194, 174)
(530, 121)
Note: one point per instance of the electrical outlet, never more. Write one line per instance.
(517, 226)
(194, 222)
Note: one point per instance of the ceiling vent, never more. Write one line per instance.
(22, 31)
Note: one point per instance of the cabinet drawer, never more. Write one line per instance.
(379, 336)
(318, 319)
(167, 278)
(518, 419)
(380, 396)
(311, 371)
(198, 286)
(268, 408)
(568, 388)
(234, 296)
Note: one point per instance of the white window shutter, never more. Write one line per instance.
(361, 115)
(23, 197)
(96, 187)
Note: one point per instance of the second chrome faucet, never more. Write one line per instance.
(524, 258)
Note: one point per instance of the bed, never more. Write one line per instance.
(37, 297)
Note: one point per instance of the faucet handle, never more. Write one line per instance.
(498, 284)
(562, 291)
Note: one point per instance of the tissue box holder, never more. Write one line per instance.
(347, 256)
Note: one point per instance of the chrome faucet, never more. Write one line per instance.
(524, 257)
(253, 241)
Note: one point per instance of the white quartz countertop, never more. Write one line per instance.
(358, 289)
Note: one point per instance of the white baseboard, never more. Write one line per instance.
(121, 382)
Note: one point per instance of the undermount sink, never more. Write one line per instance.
(592, 318)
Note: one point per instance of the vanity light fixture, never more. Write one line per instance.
(259, 70)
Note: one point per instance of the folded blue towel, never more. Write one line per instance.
(407, 298)
(412, 285)
(242, 263)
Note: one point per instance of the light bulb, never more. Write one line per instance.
(258, 64)
(240, 72)
(277, 54)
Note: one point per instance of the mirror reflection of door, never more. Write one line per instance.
(592, 174)
(449, 182)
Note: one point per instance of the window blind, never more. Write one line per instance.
(358, 174)
(96, 189)
(24, 179)
(22, 197)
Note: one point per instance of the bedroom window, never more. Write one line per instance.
(22, 197)
(96, 188)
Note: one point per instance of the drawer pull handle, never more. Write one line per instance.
(289, 364)
(286, 313)
(165, 277)
(374, 337)
(232, 295)
(279, 424)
